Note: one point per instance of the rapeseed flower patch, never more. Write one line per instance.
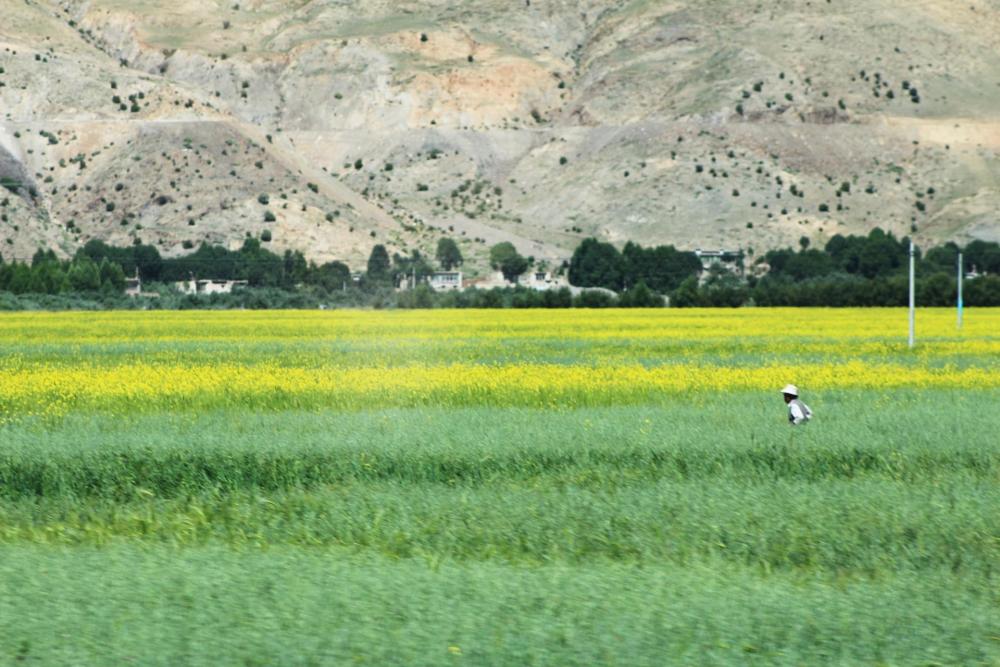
(128, 362)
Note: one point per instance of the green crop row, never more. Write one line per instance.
(865, 489)
(871, 528)
(914, 437)
(283, 606)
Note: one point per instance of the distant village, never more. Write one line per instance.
(444, 281)
(447, 281)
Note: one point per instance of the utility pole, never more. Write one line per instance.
(961, 275)
(912, 294)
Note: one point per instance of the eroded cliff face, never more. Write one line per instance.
(355, 123)
(13, 176)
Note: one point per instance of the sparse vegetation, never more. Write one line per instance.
(217, 180)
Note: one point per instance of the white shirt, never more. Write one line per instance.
(798, 412)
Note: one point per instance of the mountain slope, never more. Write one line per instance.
(698, 124)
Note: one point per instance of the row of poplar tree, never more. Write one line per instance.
(867, 270)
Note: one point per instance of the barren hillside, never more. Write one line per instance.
(701, 124)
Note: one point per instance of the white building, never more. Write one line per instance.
(728, 259)
(443, 281)
(543, 280)
(133, 288)
(203, 286)
(494, 280)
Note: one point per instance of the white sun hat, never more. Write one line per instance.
(791, 390)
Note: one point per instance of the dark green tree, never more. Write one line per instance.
(597, 264)
(799, 265)
(505, 258)
(937, 290)
(448, 255)
(880, 256)
(42, 256)
(256, 265)
(593, 298)
(379, 267)
(295, 268)
(940, 259)
(20, 281)
(422, 296)
(723, 289)
(414, 266)
(331, 276)
(983, 255)
(846, 252)
(640, 296)
(147, 260)
(49, 278)
(112, 276)
(662, 268)
(983, 291)
(84, 275)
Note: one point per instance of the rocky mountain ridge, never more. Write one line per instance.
(337, 125)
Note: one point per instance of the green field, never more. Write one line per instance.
(674, 528)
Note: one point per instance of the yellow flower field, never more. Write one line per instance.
(124, 362)
(690, 325)
(131, 387)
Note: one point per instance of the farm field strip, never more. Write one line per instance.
(288, 605)
(688, 325)
(143, 387)
(502, 487)
(350, 361)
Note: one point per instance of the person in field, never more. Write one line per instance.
(798, 412)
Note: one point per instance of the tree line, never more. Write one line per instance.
(47, 274)
(868, 270)
(872, 270)
(849, 271)
(661, 269)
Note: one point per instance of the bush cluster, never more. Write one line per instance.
(850, 271)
